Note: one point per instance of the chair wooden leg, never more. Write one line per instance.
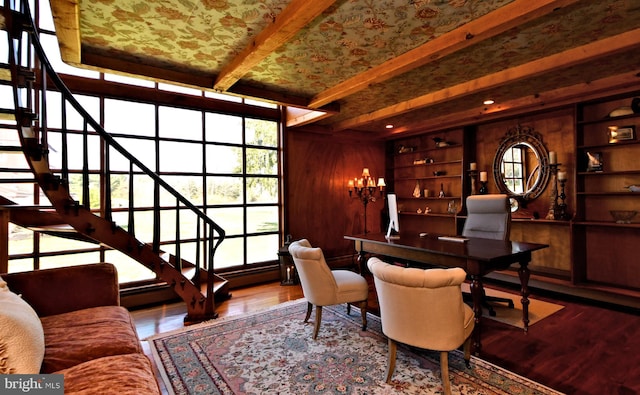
(316, 327)
(444, 372)
(391, 360)
(363, 311)
(309, 308)
(348, 308)
(467, 352)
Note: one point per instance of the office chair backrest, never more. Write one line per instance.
(488, 217)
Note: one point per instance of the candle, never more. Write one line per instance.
(552, 158)
(473, 166)
(562, 176)
(483, 176)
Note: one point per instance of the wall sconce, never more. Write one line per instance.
(365, 189)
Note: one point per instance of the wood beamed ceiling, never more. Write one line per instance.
(357, 65)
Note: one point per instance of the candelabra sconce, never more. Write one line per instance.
(553, 194)
(365, 190)
(562, 213)
(472, 176)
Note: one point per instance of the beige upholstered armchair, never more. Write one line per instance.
(322, 286)
(423, 308)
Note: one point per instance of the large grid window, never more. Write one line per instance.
(226, 164)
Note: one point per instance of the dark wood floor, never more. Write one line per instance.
(582, 349)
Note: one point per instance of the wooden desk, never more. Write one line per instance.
(476, 256)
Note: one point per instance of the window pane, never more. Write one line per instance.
(143, 150)
(231, 219)
(180, 123)
(179, 89)
(262, 219)
(230, 253)
(222, 128)
(128, 269)
(90, 104)
(20, 265)
(224, 190)
(224, 159)
(262, 161)
(262, 190)
(20, 240)
(135, 119)
(50, 44)
(45, 20)
(69, 260)
(129, 80)
(54, 244)
(75, 143)
(262, 248)
(222, 96)
(75, 189)
(259, 132)
(180, 157)
(188, 186)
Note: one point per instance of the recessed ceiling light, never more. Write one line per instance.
(488, 101)
(389, 126)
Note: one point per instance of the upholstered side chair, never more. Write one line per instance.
(489, 217)
(322, 286)
(423, 308)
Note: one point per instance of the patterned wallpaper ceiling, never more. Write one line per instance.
(351, 37)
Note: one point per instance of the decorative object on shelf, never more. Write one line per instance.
(439, 173)
(594, 161)
(416, 190)
(441, 194)
(365, 189)
(561, 212)
(426, 193)
(553, 193)
(419, 161)
(521, 164)
(483, 183)
(402, 149)
(623, 216)
(515, 205)
(441, 142)
(616, 133)
(427, 210)
(621, 112)
(472, 176)
(635, 105)
(633, 188)
(452, 208)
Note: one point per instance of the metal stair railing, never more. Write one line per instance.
(26, 55)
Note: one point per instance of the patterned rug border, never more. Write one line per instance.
(456, 363)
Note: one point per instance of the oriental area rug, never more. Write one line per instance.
(272, 352)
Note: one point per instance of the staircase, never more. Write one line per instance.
(30, 74)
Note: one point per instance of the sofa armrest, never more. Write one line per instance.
(65, 289)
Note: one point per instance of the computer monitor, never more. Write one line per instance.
(394, 225)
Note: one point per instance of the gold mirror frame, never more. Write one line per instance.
(523, 135)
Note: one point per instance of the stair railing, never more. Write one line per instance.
(26, 54)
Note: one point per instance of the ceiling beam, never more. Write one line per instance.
(297, 15)
(586, 53)
(66, 16)
(471, 33)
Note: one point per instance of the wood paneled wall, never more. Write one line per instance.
(317, 169)
(558, 134)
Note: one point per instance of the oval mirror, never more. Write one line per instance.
(521, 164)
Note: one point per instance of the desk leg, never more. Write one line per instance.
(523, 273)
(477, 291)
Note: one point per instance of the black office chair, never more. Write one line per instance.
(488, 217)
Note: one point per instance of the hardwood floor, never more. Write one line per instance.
(582, 349)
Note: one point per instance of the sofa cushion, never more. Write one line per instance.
(21, 335)
(120, 374)
(82, 335)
